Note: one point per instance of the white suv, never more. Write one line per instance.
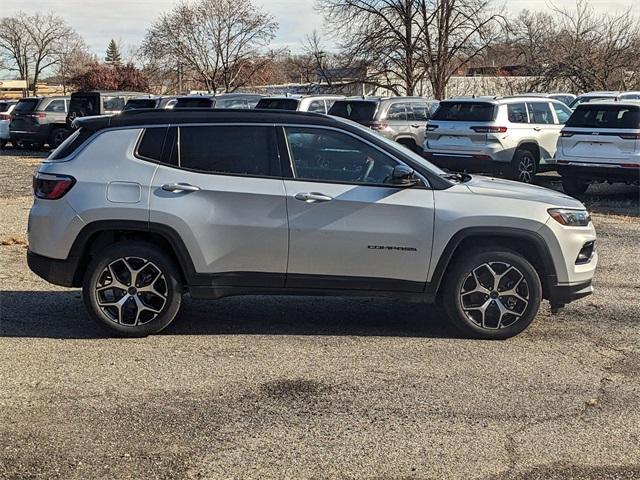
(600, 142)
(513, 135)
(139, 208)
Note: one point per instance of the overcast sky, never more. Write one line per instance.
(126, 20)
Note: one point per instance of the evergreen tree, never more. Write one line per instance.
(113, 53)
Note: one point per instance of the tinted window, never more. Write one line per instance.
(397, 111)
(138, 103)
(71, 144)
(605, 116)
(517, 113)
(278, 103)
(26, 105)
(562, 112)
(84, 105)
(56, 106)
(151, 144)
(194, 102)
(465, 112)
(317, 106)
(319, 154)
(540, 113)
(358, 111)
(247, 150)
(113, 104)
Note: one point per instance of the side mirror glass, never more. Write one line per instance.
(404, 176)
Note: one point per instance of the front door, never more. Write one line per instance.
(220, 189)
(546, 130)
(349, 227)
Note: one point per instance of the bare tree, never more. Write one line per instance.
(221, 43)
(33, 43)
(454, 33)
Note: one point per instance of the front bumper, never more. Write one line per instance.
(562, 294)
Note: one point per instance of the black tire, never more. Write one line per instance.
(410, 144)
(574, 186)
(150, 262)
(3, 144)
(524, 166)
(58, 136)
(493, 323)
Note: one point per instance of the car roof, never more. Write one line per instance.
(194, 115)
(631, 102)
(503, 100)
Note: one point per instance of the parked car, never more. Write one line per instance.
(149, 102)
(295, 203)
(600, 142)
(237, 100)
(6, 106)
(195, 101)
(401, 119)
(299, 103)
(36, 121)
(513, 135)
(85, 104)
(566, 98)
(592, 96)
(629, 96)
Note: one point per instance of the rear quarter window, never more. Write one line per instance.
(605, 116)
(465, 112)
(151, 144)
(71, 144)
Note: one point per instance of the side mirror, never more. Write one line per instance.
(404, 176)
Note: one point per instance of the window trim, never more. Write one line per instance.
(289, 173)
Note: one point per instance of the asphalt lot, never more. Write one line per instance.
(319, 388)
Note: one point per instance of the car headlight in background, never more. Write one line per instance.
(569, 217)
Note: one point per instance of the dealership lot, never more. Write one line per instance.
(314, 387)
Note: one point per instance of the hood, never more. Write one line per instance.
(496, 187)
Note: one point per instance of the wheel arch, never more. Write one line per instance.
(529, 145)
(529, 244)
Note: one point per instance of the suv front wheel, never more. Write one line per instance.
(492, 294)
(133, 288)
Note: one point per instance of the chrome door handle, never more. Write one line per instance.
(179, 187)
(313, 197)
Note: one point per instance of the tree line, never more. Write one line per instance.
(408, 47)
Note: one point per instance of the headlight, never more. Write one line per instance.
(570, 218)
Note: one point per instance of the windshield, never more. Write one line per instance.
(358, 111)
(465, 112)
(605, 116)
(586, 99)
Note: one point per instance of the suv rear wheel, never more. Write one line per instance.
(133, 288)
(492, 294)
(58, 136)
(574, 186)
(524, 166)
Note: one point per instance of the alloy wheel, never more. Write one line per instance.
(494, 295)
(526, 169)
(58, 138)
(131, 291)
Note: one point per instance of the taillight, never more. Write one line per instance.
(489, 129)
(431, 127)
(629, 136)
(51, 187)
(565, 133)
(38, 115)
(5, 116)
(378, 126)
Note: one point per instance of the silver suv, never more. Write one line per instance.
(513, 135)
(139, 208)
(401, 119)
(600, 142)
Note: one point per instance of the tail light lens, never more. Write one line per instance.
(629, 136)
(489, 129)
(565, 133)
(38, 115)
(378, 126)
(431, 127)
(51, 187)
(5, 116)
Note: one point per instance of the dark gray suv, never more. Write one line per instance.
(36, 121)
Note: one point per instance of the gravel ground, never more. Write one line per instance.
(319, 388)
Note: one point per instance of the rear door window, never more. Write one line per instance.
(56, 106)
(540, 113)
(358, 111)
(418, 111)
(233, 150)
(465, 112)
(605, 116)
(517, 113)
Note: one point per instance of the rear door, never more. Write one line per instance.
(546, 130)
(222, 192)
(349, 227)
(397, 119)
(605, 133)
(453, 126)
(418, 115)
